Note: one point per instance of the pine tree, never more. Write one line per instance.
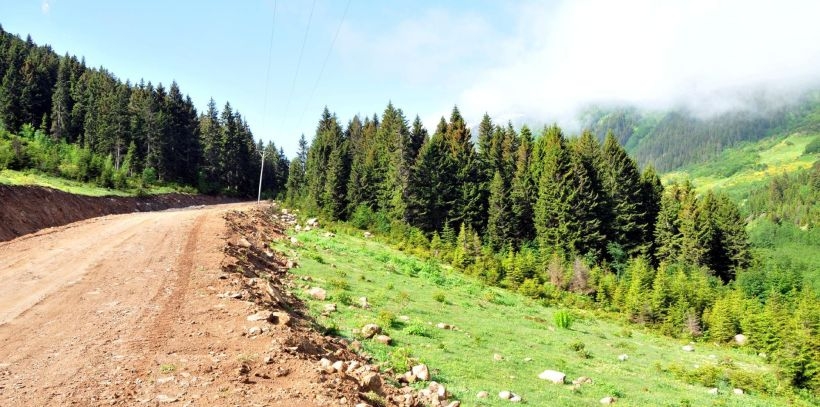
(210, 132)
(555, 194)
(499, 216)
(651, 195)
(433, 189)
(61, 103)
(622, 182)
(522, 193)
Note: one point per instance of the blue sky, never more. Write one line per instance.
(534, 61)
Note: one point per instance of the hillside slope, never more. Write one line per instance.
(477, 338)
(672, 139)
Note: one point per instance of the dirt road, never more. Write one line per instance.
(124, 310)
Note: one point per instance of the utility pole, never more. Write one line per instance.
(261, 170)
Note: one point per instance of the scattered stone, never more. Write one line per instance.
(504, 394)
(356, 346)
(528, 359)
(482, 394)
(243, 242)
(338, 366)
(552, 376)
(368, 235)
(738, 392)
(582, 380)
(608, 400)
(255, 330)
(297, 228)
(421, 372)
(318, 293)
(497, 357)
(280, 318)
(363, 303)
(330, 308)
(371, 381)
(290, 264)
(623, 357)
(325, 362)
(313, 222)
(741, 339)
(383, 339)
(455, 403)
(442, 325)
(260, 316)
(369, 330)
(515, 398)
(166, 399)
(404, 318)
(163, 380)
(713, 391)
(294, 240)
(268, 359)
(329, 234)
(244, 369)
(352, 366)
(688, 348)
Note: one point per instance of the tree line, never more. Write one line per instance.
(561, 219)
(63, 118)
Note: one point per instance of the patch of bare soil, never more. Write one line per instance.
(27, 209)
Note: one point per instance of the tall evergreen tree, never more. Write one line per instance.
(622, 183)
(522, 191)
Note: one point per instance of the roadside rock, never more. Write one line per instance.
(552, 376)
(318, 293)
(369, 330)
(608, 400)
(383, 339)
(260, 316)
(421, 372)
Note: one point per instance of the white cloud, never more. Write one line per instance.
(46, 6)
(657, 54)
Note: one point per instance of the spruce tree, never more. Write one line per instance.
(499, 214)
(622, 182)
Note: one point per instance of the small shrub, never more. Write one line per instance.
(562, 319)
(339, 284)
(400, 359)
(417, 329)
(344, 298)
(440, 296)
(386, 318)
(167, 368)
(577, 346)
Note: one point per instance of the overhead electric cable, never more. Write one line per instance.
(298, 64)
(324, 64)
(267, 73)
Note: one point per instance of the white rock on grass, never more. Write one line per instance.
(713, 391)
(552, 376)
(369, 330)
(318, 293)
(504, 394)
(421, 372)
(608, 400)
(741, 339)
(688, 348)
(738, 392)
(515, 398)
(482, 395)
(623, 357)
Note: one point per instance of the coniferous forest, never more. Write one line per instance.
(63, 118)
(561, 219)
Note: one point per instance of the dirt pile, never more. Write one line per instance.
(27, 209)
(335, 373)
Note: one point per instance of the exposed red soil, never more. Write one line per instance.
(27, 209)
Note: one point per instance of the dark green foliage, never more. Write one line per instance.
(109, 132)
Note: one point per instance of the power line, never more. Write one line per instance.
(267, 73)
(265, 101)
(324, 64)
(298, 64)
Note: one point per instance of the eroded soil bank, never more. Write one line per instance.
(27, 209)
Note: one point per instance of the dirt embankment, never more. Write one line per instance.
(27, 209)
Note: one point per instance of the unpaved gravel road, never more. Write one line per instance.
(97, 312)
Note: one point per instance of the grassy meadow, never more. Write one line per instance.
(491, 321)
(738, 170)
(12, 177)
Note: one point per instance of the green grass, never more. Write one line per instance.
(12, 177)
(490, 320)
(738, 170)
